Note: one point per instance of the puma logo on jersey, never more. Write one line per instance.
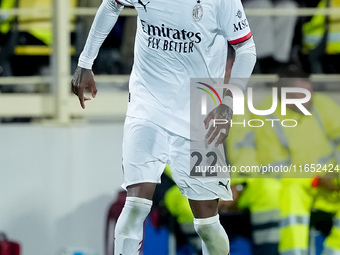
(144, 5)
(222, 184)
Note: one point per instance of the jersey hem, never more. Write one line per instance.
(126, 185)
(176, 130)
(202, 198)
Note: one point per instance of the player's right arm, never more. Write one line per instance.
(105, 19)
(234, 26)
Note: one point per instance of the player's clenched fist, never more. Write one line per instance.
(81, 79)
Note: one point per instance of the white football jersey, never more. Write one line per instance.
(177, 40)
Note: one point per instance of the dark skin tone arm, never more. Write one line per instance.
(220, 112)
(83, 79)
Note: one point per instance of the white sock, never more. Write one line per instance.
(214, 238)
(129, 227)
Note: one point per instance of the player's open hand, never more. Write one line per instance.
(81, 79)
(219, 122)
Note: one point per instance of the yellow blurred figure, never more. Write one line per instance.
(289, 198)
(38, 25)
(321, 39)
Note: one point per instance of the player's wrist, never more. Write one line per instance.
(85, 65)
(228, 101)
(85, 62)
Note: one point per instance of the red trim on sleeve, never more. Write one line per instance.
(315, 182)
(239, 40)
(127, 6)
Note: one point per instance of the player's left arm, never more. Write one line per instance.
(103, 23)
(236, 29)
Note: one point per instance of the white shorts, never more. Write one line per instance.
(147, 148)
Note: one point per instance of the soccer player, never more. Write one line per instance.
(175, 41)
